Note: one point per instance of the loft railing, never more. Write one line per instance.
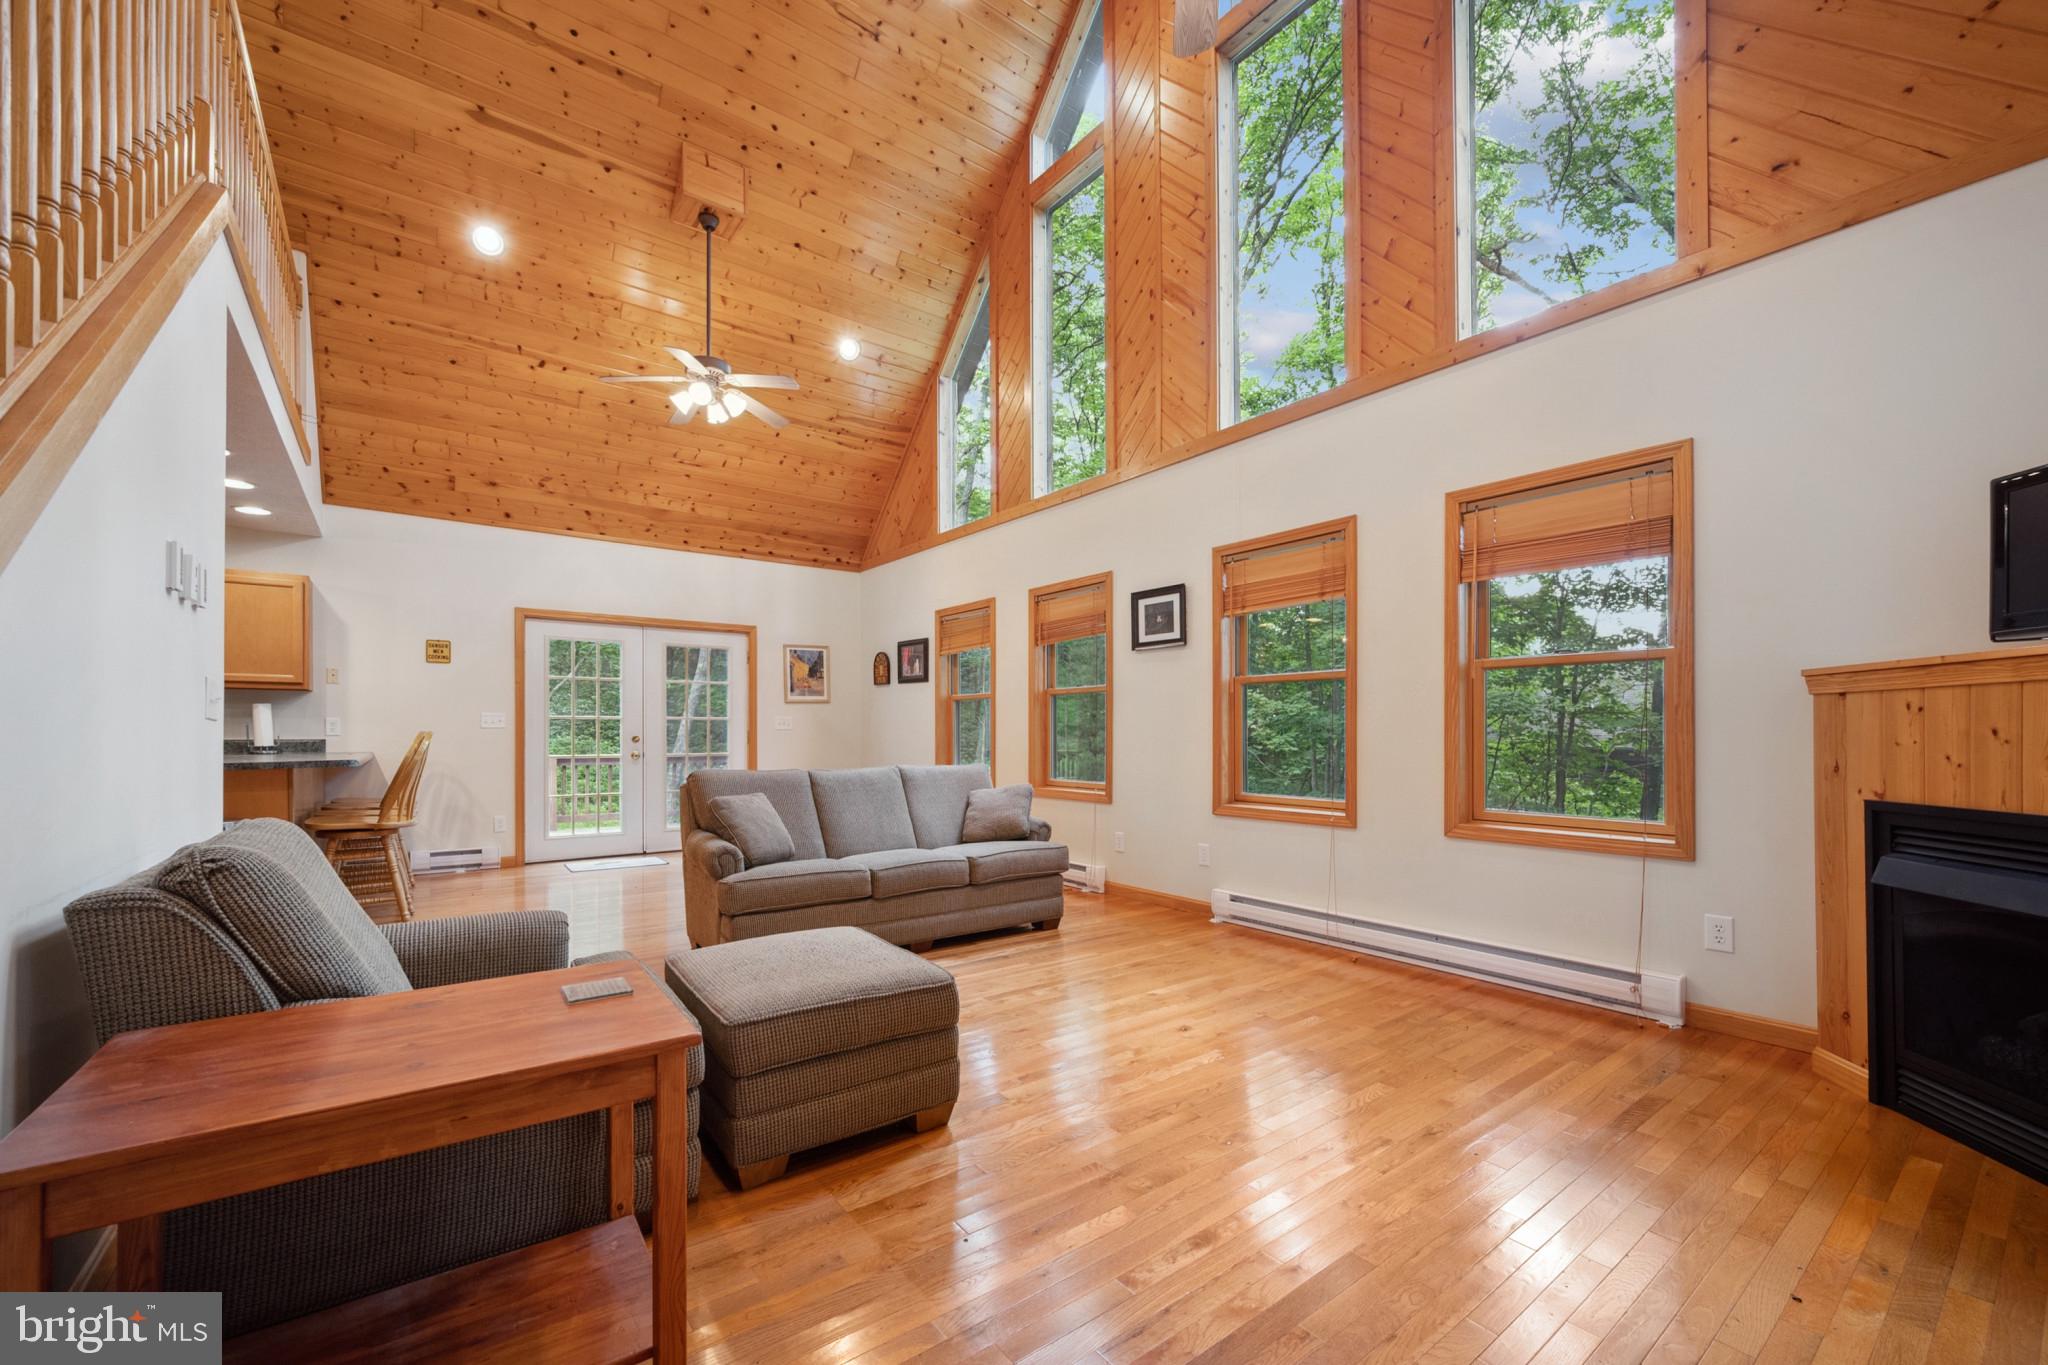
(113, 110)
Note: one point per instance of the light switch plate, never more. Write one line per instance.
(215, 698)
(785, 723)
(333, 675)
(1119, 841)
(491, 720)
(1201, 855)
(334, 727)
(499, 824)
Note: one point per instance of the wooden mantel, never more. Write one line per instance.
(1966, 730)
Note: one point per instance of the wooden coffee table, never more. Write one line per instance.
(161, 1119)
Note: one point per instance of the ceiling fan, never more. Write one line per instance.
(708, 384)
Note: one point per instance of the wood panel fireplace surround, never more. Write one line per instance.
(1931, 891)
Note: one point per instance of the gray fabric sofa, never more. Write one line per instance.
(255, 919)
(876, 849)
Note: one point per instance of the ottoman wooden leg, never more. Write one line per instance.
(923, 947)
(761, 1172)
(928, 1119)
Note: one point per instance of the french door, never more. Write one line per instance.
(616, 717)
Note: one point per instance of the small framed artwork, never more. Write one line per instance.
(881, 668)
(913, 660)
(805, 673)
(1159, 617)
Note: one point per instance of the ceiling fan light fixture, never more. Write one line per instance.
(735, 402)
(684, 403)
(715, 414)
(700, 393)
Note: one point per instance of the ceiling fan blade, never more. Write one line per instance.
(679, 418)
(688, 361)
(766, 413)
(762, 381)
(646, 378)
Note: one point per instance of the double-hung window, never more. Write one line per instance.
(966, 418)
(1282, 220)
(1286, 677)
(967, 683)
(1567, 154)
(1571, 649)
(1070, 688)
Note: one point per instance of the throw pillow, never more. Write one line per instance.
(997, 813)
(752, 826)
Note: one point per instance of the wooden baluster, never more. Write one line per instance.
(21, 222)
(69, 130)
(90, 130)
(148, 44)
(110, 130)
(127, 70)
(50, 160)
(7, 160)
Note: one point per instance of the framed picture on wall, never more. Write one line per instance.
(881, 668)
(805, 673)
(913, 660)
(1159, 617)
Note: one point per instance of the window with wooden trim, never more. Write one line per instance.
(1071, 333)
(966, 418)
(1567, 160)
(966, 642)
(1286, 677)
(1071, 668)
(1077, 96)
(1282, 223)
(1569, 640)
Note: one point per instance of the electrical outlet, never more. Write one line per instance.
(333, 675)
(785, 723)
(1119, 841)
(1201, 855)
(1721, 933)
(334, 727)
(491, 720)
(499, 824)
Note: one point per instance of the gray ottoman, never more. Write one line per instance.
(814, 1036)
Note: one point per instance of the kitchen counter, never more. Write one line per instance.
(292, 758)
(287, 785)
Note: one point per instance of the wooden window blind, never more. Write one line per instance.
(1568, 526)
(1072, 615)
(1311, 570)
(963, 630)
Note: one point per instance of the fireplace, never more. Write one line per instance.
(1959, 975)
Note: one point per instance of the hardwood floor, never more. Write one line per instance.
(1182, 1142)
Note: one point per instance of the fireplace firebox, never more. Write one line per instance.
(1959, 975)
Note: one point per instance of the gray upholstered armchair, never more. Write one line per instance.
(254, 919)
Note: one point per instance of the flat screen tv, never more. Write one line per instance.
(2019, 556)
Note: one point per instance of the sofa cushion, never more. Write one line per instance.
(1001, 860)
(788, 789)
(900, 871)
(783, 886)
(769, 1002)
(997, 813)
(862, 810)
(268, 886)
(752, 826)
(937, 794)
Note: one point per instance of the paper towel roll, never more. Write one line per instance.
(262, 732)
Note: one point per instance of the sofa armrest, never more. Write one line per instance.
(717, 858)
(441, 952)
(1040, 830)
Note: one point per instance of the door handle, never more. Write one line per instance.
(635, 755)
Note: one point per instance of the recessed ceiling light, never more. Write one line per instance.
(242, 484)
(487, 239)
(849, 348)
(250, 509)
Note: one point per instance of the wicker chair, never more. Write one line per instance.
(255, 919)
(366, 843)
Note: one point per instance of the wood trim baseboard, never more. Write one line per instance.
(1755, 1027)
(1843, 1072)
(1166, 898)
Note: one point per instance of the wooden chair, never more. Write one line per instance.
(366, 843)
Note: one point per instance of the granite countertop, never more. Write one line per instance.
(291, 753)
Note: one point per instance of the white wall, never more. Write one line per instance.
(1849, 400)
(110, 759)
(383, 585)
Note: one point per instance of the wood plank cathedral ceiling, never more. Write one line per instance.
(876, 136)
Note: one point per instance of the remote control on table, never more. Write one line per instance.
(576, 992)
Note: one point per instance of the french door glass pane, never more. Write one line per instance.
(1624, 605)
(584, 752)
(1581, 740)
(1294, 739)
(970, 731)
(695, 734)
(1080, 737)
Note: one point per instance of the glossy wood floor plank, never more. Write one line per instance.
(1182, 1142)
